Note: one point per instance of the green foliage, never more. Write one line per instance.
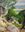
(17, 25)
(20, 18)
(7, 3)
(11, 13)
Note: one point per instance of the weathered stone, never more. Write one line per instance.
(13, 29)
(2, 28)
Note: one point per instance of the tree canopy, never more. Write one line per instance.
(8, 3)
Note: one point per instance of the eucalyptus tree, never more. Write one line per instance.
(7, 3)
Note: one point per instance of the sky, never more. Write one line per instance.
(21, 0)
(20, 4)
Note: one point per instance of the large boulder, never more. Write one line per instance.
(12, 29)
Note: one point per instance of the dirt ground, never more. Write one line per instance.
(23, 30)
